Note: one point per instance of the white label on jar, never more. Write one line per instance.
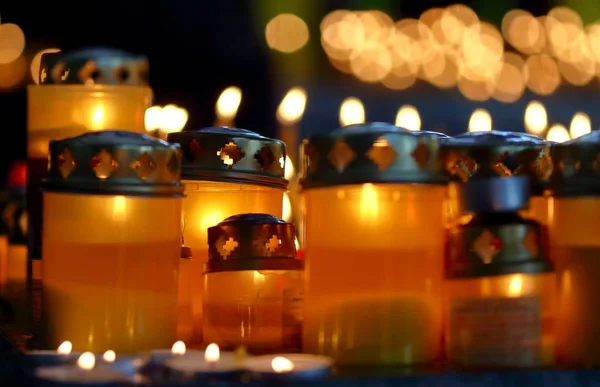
(495, 331)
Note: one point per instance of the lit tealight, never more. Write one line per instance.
(109, 356)
(86, 361)
(558, 133)
(178, 348)
(282, 365)
(212, 354)
(65, 348)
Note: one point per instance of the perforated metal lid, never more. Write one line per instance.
(114, 163)
(497, 194)
(94, 66)
(371, 153)
(252, 242)
(577, 166)
(231, 155)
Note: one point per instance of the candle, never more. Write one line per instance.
(289, 367)
(160, 356)
(253, 285)
(226, 171)
(63, 354)
(499, 308)
(85, 372)
(227, 106)
(373, 288)
(289, 113)
(207, 364)
(112, 241)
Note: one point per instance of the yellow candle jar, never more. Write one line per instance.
(253, 285)
(499, 308)
(112, 242)
(480, 155)
(226, 171)
(373, 197)
(575, 247)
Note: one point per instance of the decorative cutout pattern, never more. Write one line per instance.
(501, 167)
(382, 154)
(103, 164)
(226, 246)
(144, 166)
(195, 150)
(174, 164)
(487, 246)
(231, 154)
(341, 155)
(265, 157)
(66, 163)
(543, 165)
(273, 244)
(421, 154)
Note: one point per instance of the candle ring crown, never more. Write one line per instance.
(231, 155)
(252, 242)
(114, 163)
(371, 153)
(483, 155)
(576, 166)
(94, 66)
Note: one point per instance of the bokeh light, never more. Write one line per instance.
(12, 42)
(558, 133)
(480, 121)
(536, 118)
(580, 125)
(286, 33)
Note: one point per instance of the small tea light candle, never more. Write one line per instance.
(160, 356)
(85, 372)
(210, 363)
(62, 355)
(290, 367)
(128, 365)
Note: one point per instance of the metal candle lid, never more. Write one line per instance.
(114, 163)
(94, 66)
(577, 166)
(497, 194)
(252, 242)
(479, 250)
(371, 153)
(231, 155)
(477, 155)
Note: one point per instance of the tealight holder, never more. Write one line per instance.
(210, 364)
(226, 171)
(373, 243)
(575, 247)
(253, 285)
(289, 367)
(62, 355)
(112, 242)
(499, 286)
(79, 91)
(483, 155)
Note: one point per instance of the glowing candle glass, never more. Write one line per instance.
(499, 308)
(226, 171)
(373, 197)
(253, 285)
(79, 91)
(575, 248)
(480, 155)
(112, 240)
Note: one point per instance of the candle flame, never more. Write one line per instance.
(286, 209)
(281, 364)
(480, 121)
(65, 348)
(515, 287)
(212, 354)
(289, 170)
(292, 107)
(408, 117)
(109, 356)
(352, 112)
(86, 361)
(297, 244)
(229, 103)
(558, 133)
(178, 348)
(536, 118)
(580, 125)
(153, 118)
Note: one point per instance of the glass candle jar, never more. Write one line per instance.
(373, 197)
(226, 171)
(499, 289)
(480, 155)
(185, 323)
(253, 285)
(575, 248)
(79, 91)
(112, 242)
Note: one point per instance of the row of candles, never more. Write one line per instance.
(115, 276)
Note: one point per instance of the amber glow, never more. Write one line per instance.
(98, 119)
(289, 171)
(286, 33)
(229, 103)
(580, 125)
(65, 348)
(282, 364)
(287, 208)
(558, 133)
(408, 117)
(86, 361)
(369, 206)
(119, 207)
(109, 356)
(515, 288)
(292, 106)
(536, 119)
(212, 353)
(178, 348)
(352, 112)
(12, 41)
(480, 121)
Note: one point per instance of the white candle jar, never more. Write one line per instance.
(112, 241)
(373, 240)
(225, 171)
(253, 285)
